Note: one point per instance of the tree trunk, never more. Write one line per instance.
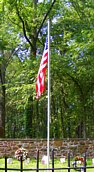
(2, 101)
(29, 117)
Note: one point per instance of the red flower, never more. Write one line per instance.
(78, 158)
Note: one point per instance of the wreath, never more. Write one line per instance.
(21, 153)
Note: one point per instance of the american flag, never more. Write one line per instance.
(40, 83)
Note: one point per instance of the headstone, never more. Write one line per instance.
(62, 160)
(44, 159)
(27, 161)
(82, 169)
(10, 161)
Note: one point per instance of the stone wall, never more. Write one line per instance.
(61, 147)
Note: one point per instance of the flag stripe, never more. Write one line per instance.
(41, 77)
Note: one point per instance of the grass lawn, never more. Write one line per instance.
(32, 165)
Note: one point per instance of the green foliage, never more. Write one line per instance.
(22, 36)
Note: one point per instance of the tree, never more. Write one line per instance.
(27, 17)
(5, 56)
(73, 48)
(72, 68)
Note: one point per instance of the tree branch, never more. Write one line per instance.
(23, 24)
(45, 18)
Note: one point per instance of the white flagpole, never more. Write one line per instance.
(48, 121)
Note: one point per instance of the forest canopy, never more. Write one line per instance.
(23, 30)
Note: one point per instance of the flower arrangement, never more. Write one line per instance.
(78, 162)
(78, 158)
(21, 153)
